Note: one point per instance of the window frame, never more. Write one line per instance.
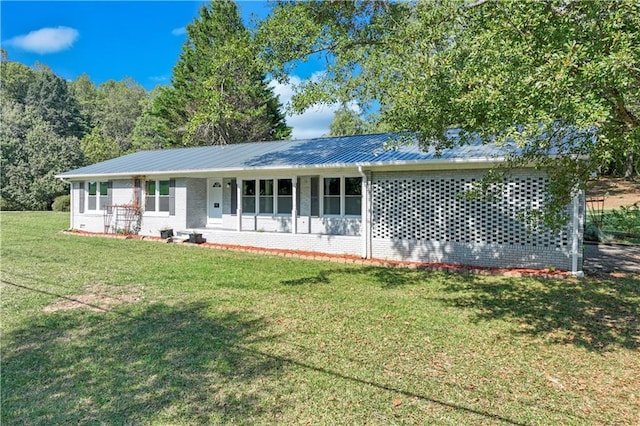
(259, 198)
(99, 197)
(157, 196)
(343, 196)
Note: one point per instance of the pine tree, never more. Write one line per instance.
(219, 94)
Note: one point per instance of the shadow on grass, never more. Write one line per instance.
(384, 277)
(599, 315)
(162, 363)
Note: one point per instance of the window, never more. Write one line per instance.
(163, 195)
(157, 196)
(249, 196)
(266, 196)
(150, 196)
(273, 196)
(342, 196)
(352, 196)
(331, 196)
(285, 196)
(98, 194)
(315, 196)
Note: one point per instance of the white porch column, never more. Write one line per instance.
(239, 202)
(294, 207)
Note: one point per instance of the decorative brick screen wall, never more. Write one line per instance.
(421, 209)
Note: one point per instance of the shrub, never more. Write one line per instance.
(61, 204)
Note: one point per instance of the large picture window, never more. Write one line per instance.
(98, 193)
(342, 196)
(274, 196)
(157, 196)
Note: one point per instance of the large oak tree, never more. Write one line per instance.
(540, 73)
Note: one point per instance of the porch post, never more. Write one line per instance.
(294, 208)
(239, 203)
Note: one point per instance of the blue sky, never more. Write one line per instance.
(118, 39)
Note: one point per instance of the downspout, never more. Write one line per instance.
(575, 240)
(365, 214)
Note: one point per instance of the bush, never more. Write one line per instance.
(61, 204)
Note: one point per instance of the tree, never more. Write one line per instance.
(347, 122)
(150, 131)
(219, 94)
(119, 104)
(31, 154)
(16, 79)
(49, 97)
(86, 94)
(97, 147)
(543, 74)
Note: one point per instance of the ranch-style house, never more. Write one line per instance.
(357, 195)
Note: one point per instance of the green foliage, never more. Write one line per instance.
(347, 122)
(219, 94)
(50, 126)
(16, 79)
(537, 73)
(50, 98)
(86, 95)
(61, 204)
(119, 104)
(98, 147)
(32, 153)
(150, 130)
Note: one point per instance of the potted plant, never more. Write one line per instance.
(166, 232)
(195, 237)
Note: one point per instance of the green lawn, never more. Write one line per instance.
(98, 330)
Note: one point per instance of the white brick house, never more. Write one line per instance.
(347, 195)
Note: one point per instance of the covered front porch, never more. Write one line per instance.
(331, 206)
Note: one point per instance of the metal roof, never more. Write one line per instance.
(325, 152)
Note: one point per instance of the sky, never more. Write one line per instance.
(111, 40)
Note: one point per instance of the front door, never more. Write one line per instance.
(215, 201)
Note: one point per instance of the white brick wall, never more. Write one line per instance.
(333, 244)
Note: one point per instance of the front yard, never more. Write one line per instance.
(98, 330)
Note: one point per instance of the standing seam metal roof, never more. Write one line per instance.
(376, 149)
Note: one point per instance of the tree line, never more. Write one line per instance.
(219, 94)
(503, 70)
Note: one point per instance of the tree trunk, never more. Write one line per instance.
(629, 172)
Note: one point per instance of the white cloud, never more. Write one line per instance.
(46, 40)
(159, 78)
(179, 31)
(312, 123)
